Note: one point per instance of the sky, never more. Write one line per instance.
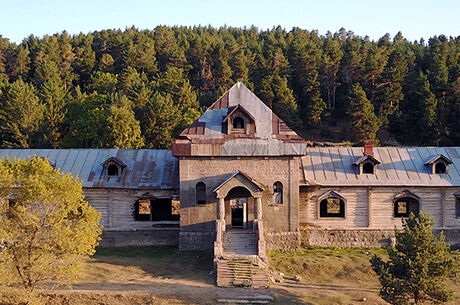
(414, 18)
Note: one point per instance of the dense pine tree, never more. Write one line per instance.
(169, 75)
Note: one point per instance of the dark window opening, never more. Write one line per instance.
(238, 123)
(368, 168)
(440, 168)
(200, 193)
(405, 206)
(157, 209)
(332, 207)
(278, 192)
(457, 207)
(112, 170)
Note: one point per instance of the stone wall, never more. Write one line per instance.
(196, 240)
(288, 241)
(140, 238)
(362, 238)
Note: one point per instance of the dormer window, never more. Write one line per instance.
(439, 164)
(368, 168)
(238, 123)
(113, 167)
(440, 168)
(367, 164)
(112, 170)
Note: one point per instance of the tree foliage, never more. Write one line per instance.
(418, 266)
(46, 226)
(305, 77)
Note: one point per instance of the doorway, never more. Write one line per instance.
(239, 210)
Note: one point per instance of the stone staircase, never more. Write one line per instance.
(240, 263)
(240, 243)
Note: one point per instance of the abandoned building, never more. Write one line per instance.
(240, 181)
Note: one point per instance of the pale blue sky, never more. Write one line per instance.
(415, 19)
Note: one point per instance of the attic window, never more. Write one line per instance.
(112, 170)
(368, 168)
(440, 168)
(238, 123)
(439, 164)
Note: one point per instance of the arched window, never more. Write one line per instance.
(406, 205)
(440, 168)
(112, 170)
(368, 168)
(278, 192)
(200, 193)
(331, 204)
(238, 123)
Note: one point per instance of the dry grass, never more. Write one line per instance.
(140, 276)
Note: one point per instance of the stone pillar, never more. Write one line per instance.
(258, 207)
(221, 209)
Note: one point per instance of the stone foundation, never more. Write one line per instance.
(364, 238)
(288, 241)
(347, 238)
(196, 240)
(140, 238)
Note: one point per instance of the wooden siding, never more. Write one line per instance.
(117, 206)
(381, 213)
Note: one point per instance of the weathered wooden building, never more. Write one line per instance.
(136, 191)
(246, 183)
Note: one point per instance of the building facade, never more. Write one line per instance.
(240, 169)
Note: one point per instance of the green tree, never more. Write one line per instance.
(47, 227)
(418, 266)
(276, 93)
(160, 119)
(21, 114)
(361, 115)
(124, 130)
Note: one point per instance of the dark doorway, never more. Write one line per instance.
(239, 212)
(237, 217)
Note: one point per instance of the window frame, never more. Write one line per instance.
(343, 206)
(409, 199)
(367, 164)
(278, 194)
(111, 166)
(436, 164)
(238, 119)
(198, 199)
(457, 206)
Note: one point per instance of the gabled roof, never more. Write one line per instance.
(233, 109)
(113, 160)
(435, 158)
(366, 158)
(149, 169)
(234, 174)
(206, 136)
(400, 166)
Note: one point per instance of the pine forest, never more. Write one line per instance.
(140, 88)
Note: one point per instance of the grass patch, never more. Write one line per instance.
(141, 263)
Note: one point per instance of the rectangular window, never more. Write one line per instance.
(144, 207)
(332, 207)
(157, 209)
(402, 209)
(457, 207)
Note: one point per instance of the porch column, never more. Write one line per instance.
(221, 208)
(258, 207)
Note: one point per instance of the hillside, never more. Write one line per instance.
(133, 88)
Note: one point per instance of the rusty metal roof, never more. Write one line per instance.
(145, 168)
(400, 166)
(272, 136)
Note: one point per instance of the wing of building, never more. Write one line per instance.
(239, 169)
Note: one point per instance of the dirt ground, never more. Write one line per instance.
(141, 276)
